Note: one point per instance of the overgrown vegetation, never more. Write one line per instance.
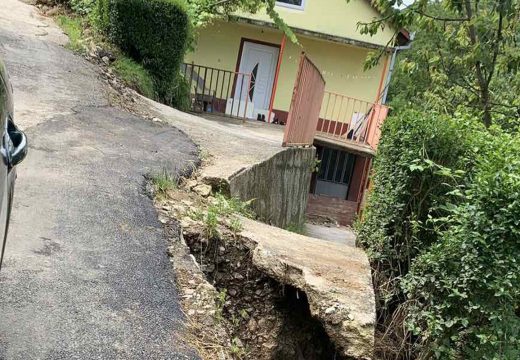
(440, 230)
(155, 35)
(72, 26)
(135, 76)
(441, 223)
(464, 292)
(465, 57)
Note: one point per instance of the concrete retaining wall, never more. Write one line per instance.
(279, 185)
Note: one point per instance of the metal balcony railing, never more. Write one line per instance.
(346, 119)
(218, 91)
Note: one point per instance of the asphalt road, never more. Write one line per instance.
(86, 273)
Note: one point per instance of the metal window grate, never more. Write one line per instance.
(336, 166)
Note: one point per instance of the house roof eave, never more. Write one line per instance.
(313, 34)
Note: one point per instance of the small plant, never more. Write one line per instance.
(236, 227)
(163, 183)
(244, 314)
(236, 348)
(235, 321)
(211, 224)
(225, 206)
(220, 301)
(73, 27)
(295, 228)
(315, 167)
(196, 215)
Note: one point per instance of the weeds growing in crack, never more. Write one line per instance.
(220, 302)
(163, 182)
(236, 227)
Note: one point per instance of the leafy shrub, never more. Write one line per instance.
(419, 161)
(154, 33)
(82, 7)
(464, 292)
(101, 15)
(409, 187)
(135, 76)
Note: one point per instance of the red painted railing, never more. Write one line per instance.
(305, 105)
(351, 120)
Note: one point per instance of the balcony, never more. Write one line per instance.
(350, 124)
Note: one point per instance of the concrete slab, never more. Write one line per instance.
(335, 277)
(338, 234)
(232, 144)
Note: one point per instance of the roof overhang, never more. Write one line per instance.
(313, 34)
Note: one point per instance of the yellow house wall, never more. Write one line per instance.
(333, 17)
(342, 65)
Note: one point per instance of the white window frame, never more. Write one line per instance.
(291, 6)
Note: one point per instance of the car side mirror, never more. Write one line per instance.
(19, 150)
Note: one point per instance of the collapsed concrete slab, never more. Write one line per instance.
(248, 162)
(336, 279)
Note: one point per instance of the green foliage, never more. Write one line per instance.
(442, 233)
(154, 33)
(295, 228)
(226, 206)
(203, 12)
(72, 26)
(417, 173)
(101, 15)
(82, 7)
(466, 56)
(134, 76)
(163, 182)
(464, 292)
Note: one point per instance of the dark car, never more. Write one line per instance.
(13, 149)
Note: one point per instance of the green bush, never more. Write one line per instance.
(411, 179)
(464, 292)
(135, 76)
(420, 164)
(154, 33)
(82, 7)
(101, 15)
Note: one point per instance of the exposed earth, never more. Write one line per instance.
(86, 274)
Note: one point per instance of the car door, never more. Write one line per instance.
(5, 113)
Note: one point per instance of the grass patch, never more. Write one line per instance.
(295, 228)
(134, 76)
(73, 27)
(163, 183)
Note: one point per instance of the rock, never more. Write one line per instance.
(232, 292)
(187, 202)
(202, 190)
(330, 310)
(102, 53)
(252, 325)
(190, 184)
(238, 276)
(221, 250)
(106, 60)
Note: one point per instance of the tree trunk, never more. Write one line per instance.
(486, 106)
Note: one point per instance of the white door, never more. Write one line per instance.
(259, 61)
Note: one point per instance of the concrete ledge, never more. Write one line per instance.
(336, 278)
(278, 185)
